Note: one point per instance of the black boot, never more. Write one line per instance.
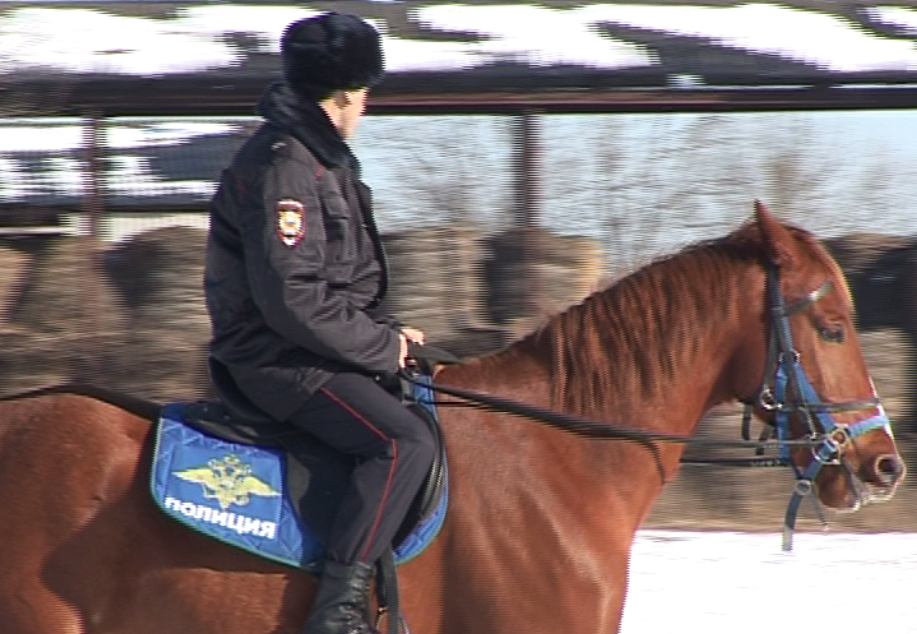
(342, 603)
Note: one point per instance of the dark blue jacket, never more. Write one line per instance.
(295, 268)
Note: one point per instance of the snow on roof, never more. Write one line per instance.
(128, 40)
(84, 38)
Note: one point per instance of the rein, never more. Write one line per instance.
(785, 391)
(582, 426)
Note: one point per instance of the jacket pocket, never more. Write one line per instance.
(340, 237)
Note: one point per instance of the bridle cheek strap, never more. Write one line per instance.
(834, 437)
(792, 393)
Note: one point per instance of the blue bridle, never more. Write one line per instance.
(792, 393)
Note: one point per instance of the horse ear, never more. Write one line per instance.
(778, 242)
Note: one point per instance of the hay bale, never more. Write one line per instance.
(159, 274)
(28, 361)
(435, 281)
(909, 325)
(882, 273)
(13, 265)
(68, 313)
(877, 269)
(532, 273)
(858, 252)
(909, 285)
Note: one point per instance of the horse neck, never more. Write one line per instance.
(622, 356)
(601, 363)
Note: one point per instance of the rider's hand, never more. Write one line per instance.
(413, 334)
(406, 335)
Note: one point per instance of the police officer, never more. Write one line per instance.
(294, 276)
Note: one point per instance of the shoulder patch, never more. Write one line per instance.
(291, 221)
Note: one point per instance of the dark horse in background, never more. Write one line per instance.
(540, 523)
(881, 270)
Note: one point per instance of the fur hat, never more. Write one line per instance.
(331, 51)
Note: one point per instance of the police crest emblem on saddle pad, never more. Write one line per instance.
(228, 481)
(238, 493)
(231, 491)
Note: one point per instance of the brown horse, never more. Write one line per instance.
(540, 523)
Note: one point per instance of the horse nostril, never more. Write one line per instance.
(889, 469)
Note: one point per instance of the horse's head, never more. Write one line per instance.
(816, 385)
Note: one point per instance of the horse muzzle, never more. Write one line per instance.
(884, 474)
(875, 481)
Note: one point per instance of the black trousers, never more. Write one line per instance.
(394, 448)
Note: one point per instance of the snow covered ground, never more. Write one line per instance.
(739, 583)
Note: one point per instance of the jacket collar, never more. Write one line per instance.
(308, 122)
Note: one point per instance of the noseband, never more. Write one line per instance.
(787, 391)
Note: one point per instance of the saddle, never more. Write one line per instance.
(272, 489)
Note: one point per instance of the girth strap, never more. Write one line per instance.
(387, 592)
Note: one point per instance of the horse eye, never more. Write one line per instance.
(832, 335)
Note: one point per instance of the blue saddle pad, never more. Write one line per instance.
(238, 494)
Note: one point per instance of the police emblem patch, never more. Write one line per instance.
(228, 481)
(291, 221)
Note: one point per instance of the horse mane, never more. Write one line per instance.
(633, 336)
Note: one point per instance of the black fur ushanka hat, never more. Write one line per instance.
(331, 51)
